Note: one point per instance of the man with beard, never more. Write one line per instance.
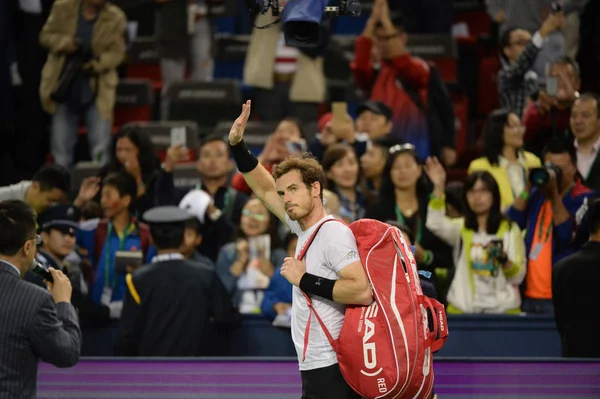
(214, 166)
(332, 273)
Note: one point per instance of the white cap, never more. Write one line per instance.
(195, 203)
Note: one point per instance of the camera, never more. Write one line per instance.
(301, 19)
(540, 176)
(556, 7)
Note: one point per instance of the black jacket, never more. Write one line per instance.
(575, 281)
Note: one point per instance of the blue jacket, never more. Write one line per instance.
(280, 290)
(563, 234)
(86, 238)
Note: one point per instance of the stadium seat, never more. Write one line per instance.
(441, 49)
(160, 135)
(206, 103)
(135, 98)
(230, 55)
(186, 175)
(143, 63)
(461, 113)
(81, 171)
(487, 93)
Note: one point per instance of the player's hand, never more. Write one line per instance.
(236, 134)
(293, 270)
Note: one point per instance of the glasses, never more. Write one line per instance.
(37, 238)
(256, 216)
(402, 148)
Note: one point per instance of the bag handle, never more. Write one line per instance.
(437, 338)
(301, 256)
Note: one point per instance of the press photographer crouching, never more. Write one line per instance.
(548, 209)
(35, 323)
(85, 39)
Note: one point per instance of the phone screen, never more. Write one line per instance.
(178, 137)
(42, 272)
(339, 111)
(551, 86)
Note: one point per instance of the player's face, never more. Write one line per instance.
(299, 199)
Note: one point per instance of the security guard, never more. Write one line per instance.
(58, 228)
(169, 302)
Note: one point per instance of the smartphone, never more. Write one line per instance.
(42, 272)
(178, 136)
(295, 147)
(551, 86)
(339, 110)
(123, 259)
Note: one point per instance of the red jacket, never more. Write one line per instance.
(239, 183)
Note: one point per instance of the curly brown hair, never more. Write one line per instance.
(307, 165)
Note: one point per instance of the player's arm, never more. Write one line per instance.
(352, 287)
(258, 178)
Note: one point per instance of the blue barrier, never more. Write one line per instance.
(472, 336)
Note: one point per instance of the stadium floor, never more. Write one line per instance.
(280, 379)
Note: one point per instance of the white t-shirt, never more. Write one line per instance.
(333, 248)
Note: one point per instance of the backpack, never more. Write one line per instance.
(439, 111)
(100, 238)
(393, 333)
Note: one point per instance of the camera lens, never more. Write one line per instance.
(300, 32)
(539, 176)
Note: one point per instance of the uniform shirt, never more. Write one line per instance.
(333, 248)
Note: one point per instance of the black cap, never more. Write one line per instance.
(60, 216)
(166, 215)
(377, 107)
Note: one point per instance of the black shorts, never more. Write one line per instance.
(326, 383)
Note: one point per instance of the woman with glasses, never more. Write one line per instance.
(489, 252)
(504, 157)
(245, 267)
(342, 171)
(403, 197)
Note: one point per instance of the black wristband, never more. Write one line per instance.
(316, 285)
(244, 158)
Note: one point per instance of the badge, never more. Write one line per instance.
(535, 251)
(106, 296)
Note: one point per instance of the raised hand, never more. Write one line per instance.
(435, 171)
(87, 190)
(236, 134)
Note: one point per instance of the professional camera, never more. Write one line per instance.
(301, 19)
(540, 176)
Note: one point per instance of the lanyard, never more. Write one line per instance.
(541, 226)
(225, 200)
(419, 223)
(107, 252)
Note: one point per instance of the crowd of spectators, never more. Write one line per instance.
(490, 222)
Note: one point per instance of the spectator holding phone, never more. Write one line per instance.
(489, 253)
(519, 50)
(549, 116)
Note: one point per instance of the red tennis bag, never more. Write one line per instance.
(385, 350)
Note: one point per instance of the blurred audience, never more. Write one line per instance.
(86, 44)
(547, 210)
(585, 125)
(488, 249)
(504, 157)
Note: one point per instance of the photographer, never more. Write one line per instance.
(547, 208)
(80, 76)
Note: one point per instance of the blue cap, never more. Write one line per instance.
(60, 216)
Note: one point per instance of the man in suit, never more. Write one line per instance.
(35, 323)
(574, 285)
(585, 125)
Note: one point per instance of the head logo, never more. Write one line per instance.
(369, 347)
